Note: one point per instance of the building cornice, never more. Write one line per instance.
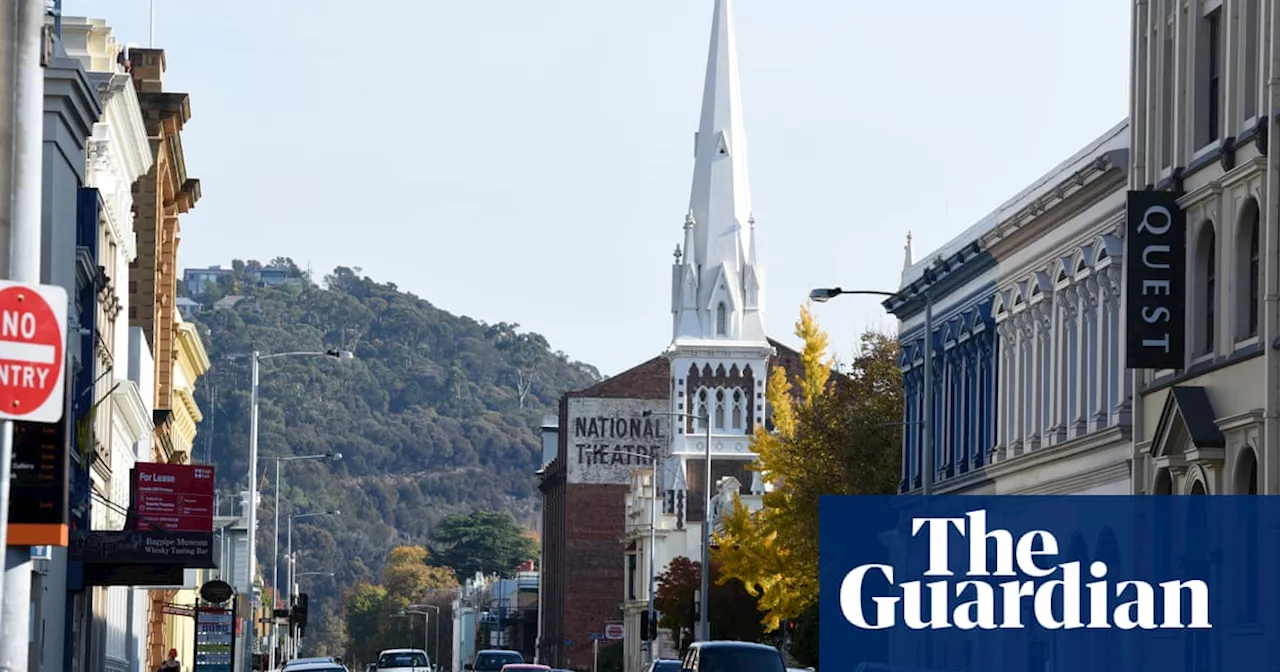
(192, 354)
(127, 403)
(1038, 459)
(718, 349)
(1068, 198)
(72, 99)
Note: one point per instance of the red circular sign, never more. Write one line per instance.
(31, 351)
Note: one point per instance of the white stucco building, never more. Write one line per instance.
(1200, 106)
(1063, 398)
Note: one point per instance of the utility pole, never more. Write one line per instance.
(22, 38)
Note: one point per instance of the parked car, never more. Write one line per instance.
(663, 665)
(525, 667)
(732, 657)
(403, 660)
(493, 660)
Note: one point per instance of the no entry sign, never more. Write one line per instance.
(33, 337)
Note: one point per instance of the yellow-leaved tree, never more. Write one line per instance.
(833, 433)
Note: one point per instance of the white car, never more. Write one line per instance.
(404, 660)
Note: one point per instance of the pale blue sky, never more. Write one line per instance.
(530, 161)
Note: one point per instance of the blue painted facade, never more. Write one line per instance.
(965, 360)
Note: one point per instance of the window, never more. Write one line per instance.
(737, 409)
(1249, 86)
(1166, 98)
(1255, 270)
(719, 409)
(701, 411)
(1209, 69)
(1210, 287)
(722, 320)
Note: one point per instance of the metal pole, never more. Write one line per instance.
(288, 559)
(435, 652)
(927, 459)
(653, 547)
(705, 623)
(251, 639)
(275, 573)
(24, 193)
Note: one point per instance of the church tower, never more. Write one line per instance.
(719, 353)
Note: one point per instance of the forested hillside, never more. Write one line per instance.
(436, 413)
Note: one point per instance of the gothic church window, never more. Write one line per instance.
(722, 319)
(719, 409)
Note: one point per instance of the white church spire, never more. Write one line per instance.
(719, 291)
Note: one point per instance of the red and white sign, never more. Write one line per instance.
(613, 631)
(176, 497)
(33, 338)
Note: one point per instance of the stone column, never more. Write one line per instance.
(1066, 300)
(1000, 359)
(1103, 373)
(1080, 424)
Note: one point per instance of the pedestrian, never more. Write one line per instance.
(172, 664)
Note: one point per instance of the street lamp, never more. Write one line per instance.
(291, 567)
(435, 651)
(656, 461)
(257, 358)
(823, 295)
(704, 624)
(275, 551)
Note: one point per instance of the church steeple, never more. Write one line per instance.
(718, 287)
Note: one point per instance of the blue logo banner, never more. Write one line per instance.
(1049, 584)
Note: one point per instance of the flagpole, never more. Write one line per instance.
(151, 39)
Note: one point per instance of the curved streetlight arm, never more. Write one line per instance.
(336, 354)
(827, 293)
(295, 458)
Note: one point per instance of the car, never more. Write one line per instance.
(663, 665)
(525, 667)
(403, 659)
(493, 660)
(725, 656)
(318, 666)
(296, 662)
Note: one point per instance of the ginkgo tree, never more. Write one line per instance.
(834, 433)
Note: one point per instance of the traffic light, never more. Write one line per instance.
(648, 627)
(298, 617)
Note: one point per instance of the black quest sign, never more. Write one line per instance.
(1156, 282)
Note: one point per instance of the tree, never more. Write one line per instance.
(407, 577)
(735, 613)
(363, 609)
(481, 541)
(832, 437)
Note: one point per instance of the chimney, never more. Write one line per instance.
(147, 68)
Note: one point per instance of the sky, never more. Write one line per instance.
(530, 162)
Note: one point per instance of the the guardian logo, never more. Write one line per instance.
(1055, 592)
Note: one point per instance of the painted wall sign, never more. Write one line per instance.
(1155, 282)
(177, 497)
(609, 438)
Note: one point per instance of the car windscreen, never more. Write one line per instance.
(666, 666)
(739, 659)
(495, 661)
(402, 660)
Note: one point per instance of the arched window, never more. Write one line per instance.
(1255, 269)
(1207, 281)
(719, 409)
(737, 409)
(1247, 295)
(722, 320)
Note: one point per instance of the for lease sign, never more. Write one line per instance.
(176, 497)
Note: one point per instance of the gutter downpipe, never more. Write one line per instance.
(1271, 333)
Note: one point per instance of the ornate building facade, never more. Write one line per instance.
(1062, 397)
(1200, 107)
(1028, 392)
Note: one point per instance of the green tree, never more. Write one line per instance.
(363, 608)
(834, 436)
(482, 541)
(734, 612)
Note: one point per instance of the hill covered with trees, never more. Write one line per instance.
(435, 414)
